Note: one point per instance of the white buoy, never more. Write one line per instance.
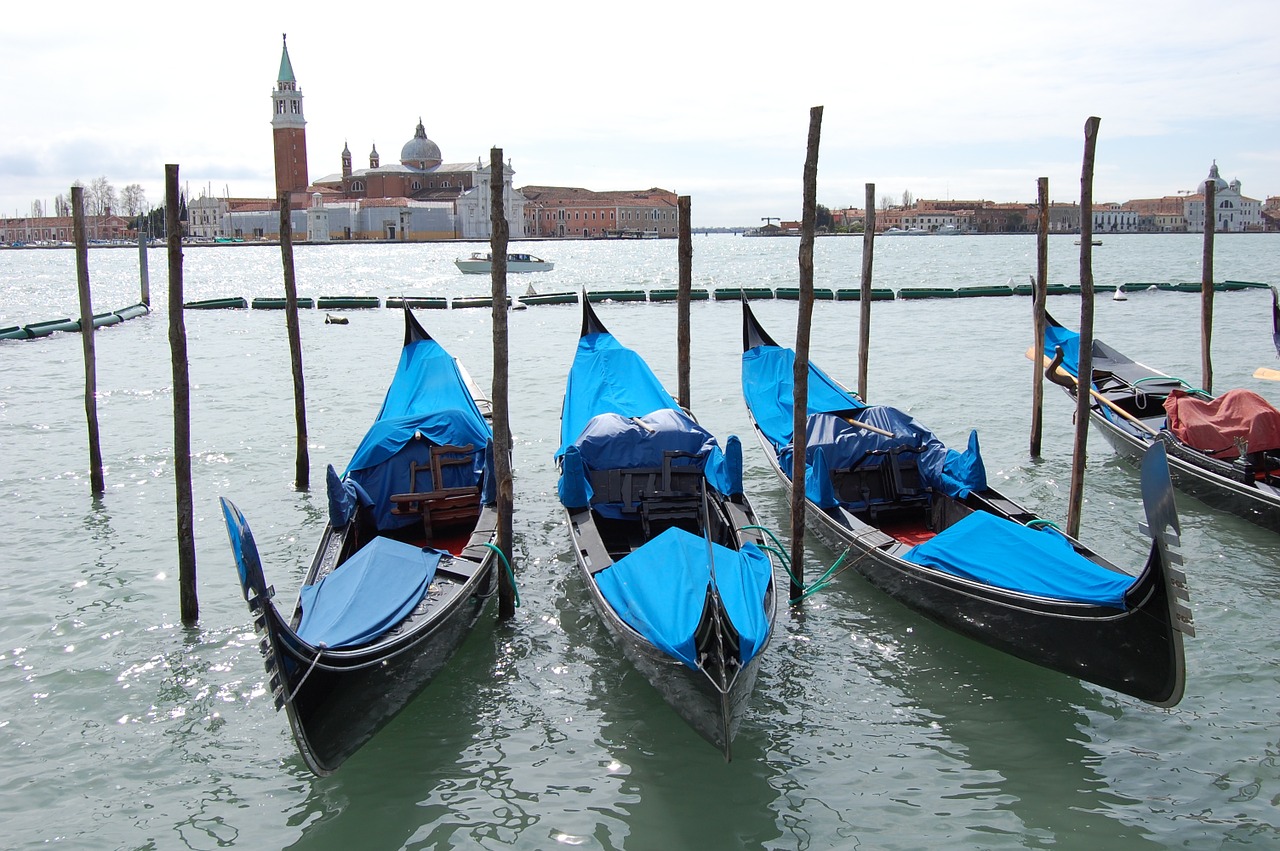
(1119, 294)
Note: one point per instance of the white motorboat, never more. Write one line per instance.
(481, 263)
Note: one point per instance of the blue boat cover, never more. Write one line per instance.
(1069, 341)
(660, 590)
(617, 415)
(767, 378)
(367, 594)
(429, 399)
(1004, 554)
(767, 381)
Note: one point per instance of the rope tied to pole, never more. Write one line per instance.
(507, 566)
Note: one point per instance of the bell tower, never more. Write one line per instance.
(288, 128)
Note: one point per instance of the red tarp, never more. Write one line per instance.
(1214, 426)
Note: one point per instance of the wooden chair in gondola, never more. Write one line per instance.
(438, 504)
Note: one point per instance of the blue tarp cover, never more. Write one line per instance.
(846, 446)
(609, 388)
(1069, 341)
(1004, 554)
(427, 397)
(767, 379)
(661, 588)
(367, 594)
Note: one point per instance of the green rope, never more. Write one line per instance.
(1041, 523)
(510, 573)
(1187, 384)
(805, 590)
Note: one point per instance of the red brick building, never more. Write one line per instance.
(572, 211)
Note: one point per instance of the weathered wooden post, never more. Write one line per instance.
(144, 277)
(684, 294)
(501, 413)
(181, 403)
(302, 462)
(864, 293)
(800, 399)
(1084, 375)
(97, 482)
(1039, 297)
(1206, 285)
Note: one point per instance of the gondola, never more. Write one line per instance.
(920, 522)
(403, 568)
(1225, 451)
(662, 535)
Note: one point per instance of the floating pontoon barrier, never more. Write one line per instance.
(979, 292)
(793, 294)
(672, 295)
(475, 301)
(739, 293)
(550, 298)
(280, 303)
(616, 295)
(423, 302)
(926, 292)
(355, 302)
(855, 294)
(44, 329)
(230, 303)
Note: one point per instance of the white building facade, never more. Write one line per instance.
(1233, 212)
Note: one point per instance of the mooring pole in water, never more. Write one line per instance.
(302, 463)
(864, 293)
(1084, 401)
(1206, 285)
(144, 277)
(97, 483)
(800, 399)
(684, 294)
(501, 412)
(1039, 296)
(181, 403)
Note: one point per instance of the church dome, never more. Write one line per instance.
(1218, 183)
(420, 151)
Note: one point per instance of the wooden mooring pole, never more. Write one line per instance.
(800, 399)
(1083, 399)
(501, 411)
(181, 404)
(97, 482)
(1206, 286)
(302, 461)
(684, 294)
(1039, 296)
(864, 293)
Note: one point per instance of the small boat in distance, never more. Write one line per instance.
(895, 231)
(1091, 242)
(481, 263)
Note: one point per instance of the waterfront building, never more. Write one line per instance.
(1114, 218)
(1234, 213)
(36, 230)
(1160, 215)
(565, 211)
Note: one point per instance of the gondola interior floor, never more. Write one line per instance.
(909, 532)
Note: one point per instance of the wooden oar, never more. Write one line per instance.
(1060, 373)
(1268, 374)
(860, 424)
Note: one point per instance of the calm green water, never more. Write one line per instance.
(870, 727)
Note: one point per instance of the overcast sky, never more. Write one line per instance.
(709, 99)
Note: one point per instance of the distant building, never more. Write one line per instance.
(34, 230)
(1234, 213)
(1114, 218)
(565, 211)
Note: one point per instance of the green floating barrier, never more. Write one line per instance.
(44, 329)
(1138, 287)
(855, 294)
(926, 292)
(233, 303)
(793, 294)
(1249, 285)
(737, 293)
(979, 292)
(280, 303)
(616, 295)
(358, 302)
(14, 332)
(464, 302)
(423, 302)
(672, 295)
(550, 298)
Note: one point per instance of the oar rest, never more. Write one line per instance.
(439, 505)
